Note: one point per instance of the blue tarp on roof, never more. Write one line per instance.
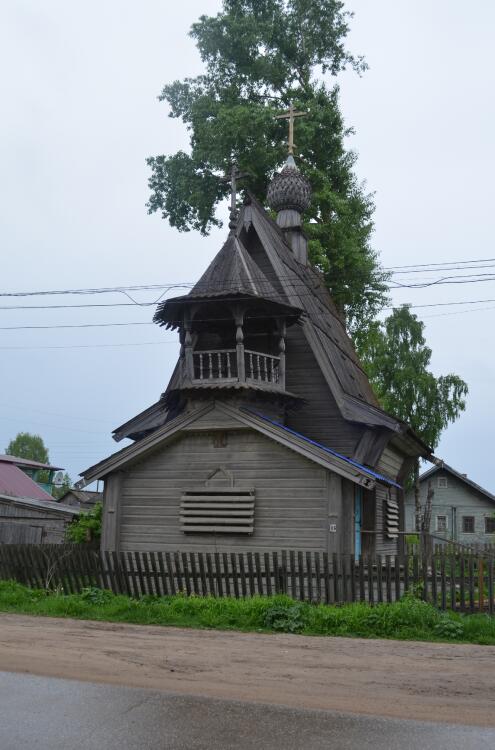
(364, 469)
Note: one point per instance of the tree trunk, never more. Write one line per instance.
(426, 521)
(417, 499)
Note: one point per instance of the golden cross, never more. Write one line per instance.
(290, 115)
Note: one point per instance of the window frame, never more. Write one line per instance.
(445, 516)
(492, 519)
(442, 482)
(463, 519)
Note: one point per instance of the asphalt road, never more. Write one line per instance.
(54, 714)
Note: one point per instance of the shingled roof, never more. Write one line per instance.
(231, 274)
(302, 286)
(279, 278)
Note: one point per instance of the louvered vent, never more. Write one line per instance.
(217, 511)
(391, 518)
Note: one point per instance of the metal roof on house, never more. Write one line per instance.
(49, 505)
(5, 458)
(366, 469)
(462, 477)
(15, 483)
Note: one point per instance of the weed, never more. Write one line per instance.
(408, 619)
(284, 618)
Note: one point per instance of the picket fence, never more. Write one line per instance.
(450, 581)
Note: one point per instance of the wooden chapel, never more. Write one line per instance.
(268, 436)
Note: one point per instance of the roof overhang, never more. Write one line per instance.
(30, 502)
(311, 450)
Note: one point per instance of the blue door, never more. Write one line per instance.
(358, 517)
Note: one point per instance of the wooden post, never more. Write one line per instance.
(239, 341)
(281, 354)
(481, 585)
(188, 352)
(111, 512)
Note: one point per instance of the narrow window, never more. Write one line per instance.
(441, 523)
(442, 483)
(468, 524)
(489, 525)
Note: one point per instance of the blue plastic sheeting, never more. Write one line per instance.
(364, 469)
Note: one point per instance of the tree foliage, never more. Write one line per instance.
(258, 56)
(66, 485)
(28, 446)
(87, 526)
(397, 359)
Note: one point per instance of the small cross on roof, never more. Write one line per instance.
(290, 115)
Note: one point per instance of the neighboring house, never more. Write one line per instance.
(24, 520)
(40, 473)
(268, 435)
(461, 510)
(29, 514)
(82, 499)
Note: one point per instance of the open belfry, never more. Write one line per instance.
(268, 435)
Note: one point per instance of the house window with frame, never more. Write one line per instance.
(468, 524)
(489, 524)
(442, 483)
(442, 523)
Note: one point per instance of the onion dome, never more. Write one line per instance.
(289, 190)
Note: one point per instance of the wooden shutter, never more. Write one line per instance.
(391, 518)
(214, 511)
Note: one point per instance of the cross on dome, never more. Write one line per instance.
(290, 115)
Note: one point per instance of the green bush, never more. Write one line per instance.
(86, 527)
(288, 619)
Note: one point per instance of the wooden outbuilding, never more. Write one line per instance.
(268, 435)
(25, 520)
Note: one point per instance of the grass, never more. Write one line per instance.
(408, 619)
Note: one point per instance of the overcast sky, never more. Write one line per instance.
(78, 87)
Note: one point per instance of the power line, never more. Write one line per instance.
(443, 263)
(458, 312)
(93, 346)
(441, 304)
(217, 319)
(77, 325)
(469, 279)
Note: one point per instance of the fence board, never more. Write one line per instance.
(449, 580)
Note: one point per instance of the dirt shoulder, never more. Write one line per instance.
(409, 680)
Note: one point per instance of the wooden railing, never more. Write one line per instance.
(218, 364)
(221, 364)
(262, 367)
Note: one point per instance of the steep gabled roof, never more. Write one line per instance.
(303, 287)
(231, 274)
(442, 466)
(15, 483)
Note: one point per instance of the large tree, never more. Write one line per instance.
(397, 360)
(259, 55)
(28, 446)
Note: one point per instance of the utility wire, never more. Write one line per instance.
(93, 346)
(443, 263)
(220, 319)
